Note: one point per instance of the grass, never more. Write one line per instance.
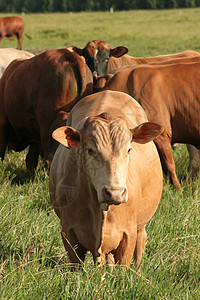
(145, 33)
(33, 262)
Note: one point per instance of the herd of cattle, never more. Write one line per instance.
(114, 112)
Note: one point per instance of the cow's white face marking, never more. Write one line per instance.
(102, 59)
(106, 156)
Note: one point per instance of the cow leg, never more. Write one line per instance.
(194, 165)
(19, 38)
(163, 144)
(4, 136)
(124, 252)
(140, 245)
(75, 251)
(32, 156)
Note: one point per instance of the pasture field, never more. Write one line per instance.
(33, 262)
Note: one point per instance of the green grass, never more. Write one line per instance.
(143, 32)
(33, 262)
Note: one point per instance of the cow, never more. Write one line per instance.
(128, 60)
(100, 81)
(169, 94)
(10, 26)
(32, 93)
(194, 153)
(97, 53)
(106, 178)
(101, 59)
(9, 54)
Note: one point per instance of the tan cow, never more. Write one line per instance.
(108, 185)
(102, 59)
(169, 94)
(9, 54)
(32, 93)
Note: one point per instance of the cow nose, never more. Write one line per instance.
(114, 195)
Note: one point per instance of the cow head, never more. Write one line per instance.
(97, 54)
(105, 143)
(100, 81)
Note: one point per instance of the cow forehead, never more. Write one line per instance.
(110, 133)
(97, 44)
(102, 54)
(97, 47)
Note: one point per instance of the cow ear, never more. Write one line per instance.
(67, 136)
(118, 51)
(79, 51)
(146, 132)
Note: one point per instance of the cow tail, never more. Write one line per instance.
(28, 36)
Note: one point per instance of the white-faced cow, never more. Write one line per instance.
(102, 59)
(106, 178)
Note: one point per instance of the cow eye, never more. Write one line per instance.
(90, 152)
(129, 150)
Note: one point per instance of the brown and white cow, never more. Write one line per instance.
(102, 59)
(107, 185)
(32, 92)
(10, 26)
(9, 54)
(98, 53)
(169, 94)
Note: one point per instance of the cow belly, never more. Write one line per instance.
(148, 187)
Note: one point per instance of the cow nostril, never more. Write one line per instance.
(107, 193)
(124, 192)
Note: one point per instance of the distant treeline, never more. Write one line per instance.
(33, 6)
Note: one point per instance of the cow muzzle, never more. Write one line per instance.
(114, 195)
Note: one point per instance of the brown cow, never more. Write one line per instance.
(128, 60)
(32, 92)
(100, 81)
(194, 153)
(108, 185)
(10, 26)
(97, 53)
(102, 59)
(169, 94)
